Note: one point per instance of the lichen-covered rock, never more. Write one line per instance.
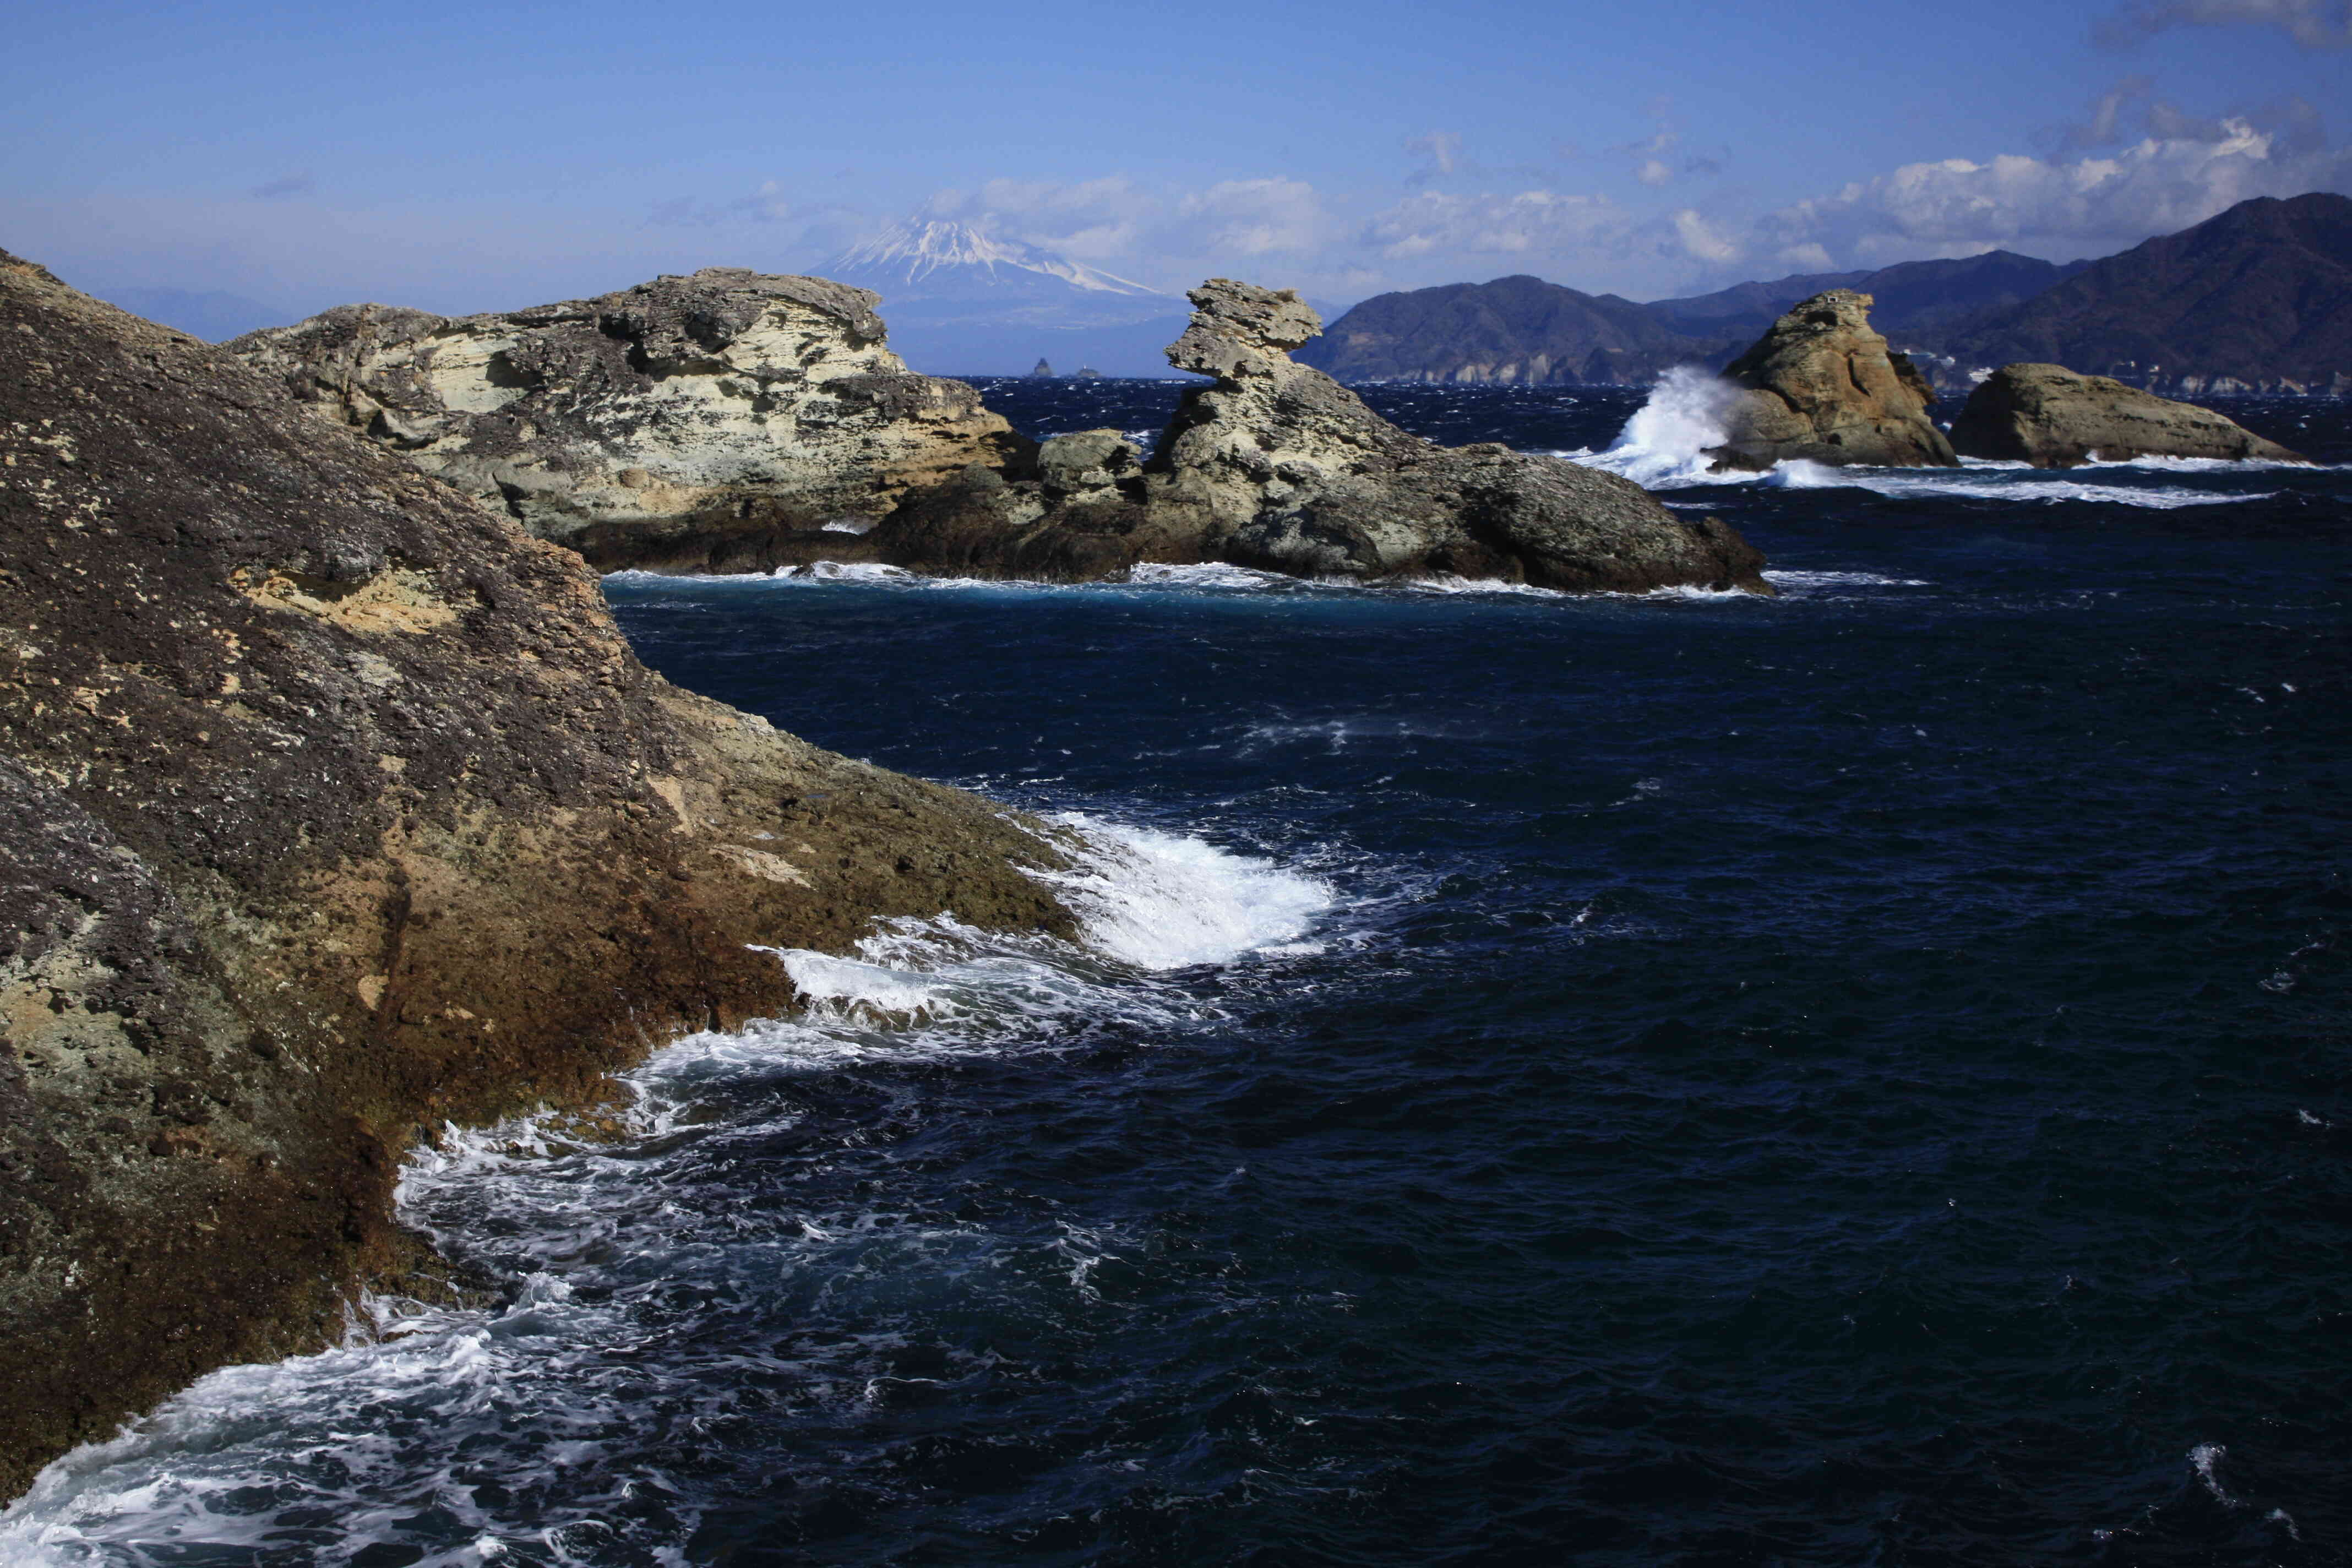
(1276, 466)
(333, 806)
(1487, 512)
(686, 424)
(1087, 460)
(2054, 417)
(1269, 431)
(1822, 387)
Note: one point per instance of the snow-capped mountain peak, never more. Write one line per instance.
(920, 251)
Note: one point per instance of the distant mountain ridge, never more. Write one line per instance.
(1918, 301)
(1518, 329)
(2257, 298)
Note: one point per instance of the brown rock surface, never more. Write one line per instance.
(337, 807)
(688, 424)
(1822, 387)
(2054, 419)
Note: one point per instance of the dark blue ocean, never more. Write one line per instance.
(1863, 1077)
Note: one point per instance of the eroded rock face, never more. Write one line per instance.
(1822, 387)
(335, 807)
(1276, 466)
(686, 424)
(2054, 419)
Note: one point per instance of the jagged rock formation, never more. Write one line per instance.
(1823, 386)
(1275, 465)
(338, 807)
(683, 425)
(2258, 299)
(2054, 419)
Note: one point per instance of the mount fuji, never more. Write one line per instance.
(961, 301)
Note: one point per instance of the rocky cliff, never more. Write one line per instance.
(2054, 419)
(1275, 465)
(681, 425)
(339, 807)
(1823, 386)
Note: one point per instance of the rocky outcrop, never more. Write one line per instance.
(1821, 386)
(687, 424)
(338, 807)
(2054, 419)
(1275, 465)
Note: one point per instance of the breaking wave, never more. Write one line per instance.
(485, 1431)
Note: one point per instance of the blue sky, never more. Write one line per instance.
(466, 157)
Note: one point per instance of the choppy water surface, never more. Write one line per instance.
(1856, 1078)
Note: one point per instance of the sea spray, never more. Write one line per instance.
(1665, 444)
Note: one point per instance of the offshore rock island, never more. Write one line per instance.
(1822, 386)
(720, 422)
(340, 808)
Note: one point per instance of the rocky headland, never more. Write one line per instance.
(682, 425)
(1821, 384)
(2051, 418)
(1274, 465)
(340, 808)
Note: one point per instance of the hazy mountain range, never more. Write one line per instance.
(2259, 298)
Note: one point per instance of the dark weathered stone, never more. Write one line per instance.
(2054, 419)
(1488, 512)
(333, 805)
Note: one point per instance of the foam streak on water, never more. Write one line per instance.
(389, 1439)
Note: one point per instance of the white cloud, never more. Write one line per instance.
(1442, 149)
(1526, 225)
(2311, 23)
(1702, 239)
(2087, 206)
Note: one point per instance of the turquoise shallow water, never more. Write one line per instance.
(1856, 1078)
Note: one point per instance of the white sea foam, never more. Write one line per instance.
(1663, 446)
(2203, 1459)
(363, 1440)
(1159, 901)
(1803, 581)
(1210, 575)
(1988, 482)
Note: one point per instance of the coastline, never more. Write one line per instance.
(342, 810)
